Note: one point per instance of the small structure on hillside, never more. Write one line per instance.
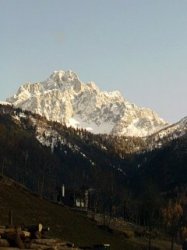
(83, 198)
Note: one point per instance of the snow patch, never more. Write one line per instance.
(65, 99)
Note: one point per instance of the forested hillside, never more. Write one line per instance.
(138, 186)
(79, 161)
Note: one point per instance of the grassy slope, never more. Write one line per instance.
(64, 223)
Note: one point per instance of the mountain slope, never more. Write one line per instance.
(65, 224)
(167, 134)
(166, 166)
(65, 99)
(43, 155)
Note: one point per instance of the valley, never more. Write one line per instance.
(129, 179)
(110, 157)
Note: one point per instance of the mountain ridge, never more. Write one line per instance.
(48, 133)
(65, 99)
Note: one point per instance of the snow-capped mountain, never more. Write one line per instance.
(51, 134)
(167, 134)
(65, 99)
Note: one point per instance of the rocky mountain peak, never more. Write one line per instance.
(64, 98)
(64, 76)
(62, 80)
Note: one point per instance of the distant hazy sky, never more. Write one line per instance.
(136, 46)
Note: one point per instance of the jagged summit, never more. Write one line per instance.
(63, 97)
(64, 76)
(61, 79)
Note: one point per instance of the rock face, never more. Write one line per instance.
(65, 99)
(167, 134)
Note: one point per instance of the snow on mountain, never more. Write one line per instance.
(52, 134)
(4, 103)
(167, 134)
(66, 99)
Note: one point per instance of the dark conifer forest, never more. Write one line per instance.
(145, 187)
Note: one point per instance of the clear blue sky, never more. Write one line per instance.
(136, 46)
